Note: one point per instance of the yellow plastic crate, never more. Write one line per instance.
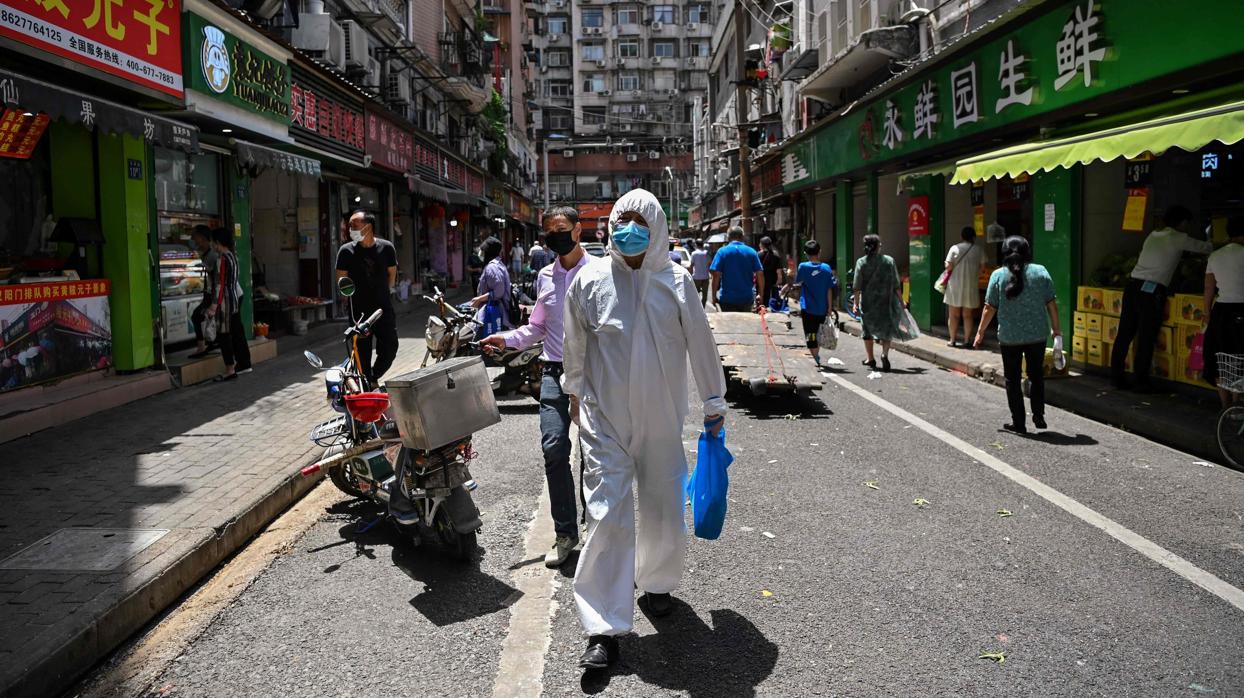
(1184, 334)
(1166, 341)
(1163, 367)
(1078, 323)
(1112, 301)
(1095, 351)
(1109, 328)
(1092, 326)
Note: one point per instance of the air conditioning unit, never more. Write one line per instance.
(593, 30)
(626, 128)
(657, 26)
(632, 157)
(693, 62)
(555, 38)
(398, 89)
(637, 93)
(673, 92)
(692, 26)
(356, 44)
(320, 37)
(654, 154)
(656, 60)
(567, 153)
(559, 3)
(602, 62)
(544, 69)
(603, 93)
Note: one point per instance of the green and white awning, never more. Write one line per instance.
(1189, 131)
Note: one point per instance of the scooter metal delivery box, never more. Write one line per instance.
(443, 402)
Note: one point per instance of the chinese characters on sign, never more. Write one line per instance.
(20, 132)
(893, 134)
(963, 84)
(1075, 51)
(139, 40)
(918, 216)
(222, 65)
(1010, 78)
(318, 113)
(926, 111)
(389, 145)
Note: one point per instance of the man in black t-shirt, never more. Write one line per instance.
(773, 268)
(371, 263)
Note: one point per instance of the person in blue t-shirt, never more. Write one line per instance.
(735, 268)
(816, 294)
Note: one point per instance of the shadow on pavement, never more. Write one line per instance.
(1055, 438)
(729, 659)
(453, 591)
(779, 406)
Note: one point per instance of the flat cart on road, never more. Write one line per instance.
(765, 354)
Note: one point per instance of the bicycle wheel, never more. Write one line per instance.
(1231, 435)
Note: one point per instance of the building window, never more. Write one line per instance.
(594, 82)
(628, 81)
(664, 14)
(559, 120)
(559, 25)
(699, 80)
(561, 187)
(560, 88)
(664, 80)
(664, 49)
(558, 59)
(593, 116)
(594, 18)
(697, 14)
(593, 52)
(628, 48)
(698, 47)
(628, 15)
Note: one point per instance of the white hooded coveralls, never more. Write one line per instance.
(628, 337)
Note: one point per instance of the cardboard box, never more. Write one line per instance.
(1079, 346)
(1112, 299)
(1078, 323)
(1092, 325)
(1188, 309)
(1109, 328)
(1090, 299)
(1095, 351)
(1184, 334)
(1166, 341)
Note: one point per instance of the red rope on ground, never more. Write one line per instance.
(771, 349)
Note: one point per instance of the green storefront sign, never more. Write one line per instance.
(223, 66)
(1076, 52)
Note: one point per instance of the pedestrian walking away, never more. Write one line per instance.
(877, 299)
(816, 295)
(226, 310)
(562, 233)
(774, 271)
(371, 263)
(516, 260)
(540, 255)
(963, 263)
(1224, 330)
(201, 236)
(1021, 294)
(493, 294)
(738, 276)
(699, 270)
(1144, 297)
(630, 329)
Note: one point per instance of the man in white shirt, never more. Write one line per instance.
(699, 270)
(516, 261)
(1145, 295)
(1224, 326)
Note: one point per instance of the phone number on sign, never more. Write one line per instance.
(23, 24)
(149, 72)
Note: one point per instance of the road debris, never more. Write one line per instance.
(920, 502)
(871, 484)
(766, 534)
(999, 657)
(1003, 513)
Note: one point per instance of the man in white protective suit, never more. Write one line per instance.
(632, 321)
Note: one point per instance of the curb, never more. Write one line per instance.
(1154, 426)
(56, 671)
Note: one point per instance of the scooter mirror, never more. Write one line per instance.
(345, 286)
(313, 359)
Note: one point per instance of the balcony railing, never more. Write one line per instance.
(463, 55)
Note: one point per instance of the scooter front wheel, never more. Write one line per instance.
(342, 476)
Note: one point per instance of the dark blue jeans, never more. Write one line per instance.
(555, 440)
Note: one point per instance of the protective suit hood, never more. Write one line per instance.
(645, 204)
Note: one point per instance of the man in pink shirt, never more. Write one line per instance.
(562, 231)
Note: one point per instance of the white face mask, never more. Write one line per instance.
(356, 235)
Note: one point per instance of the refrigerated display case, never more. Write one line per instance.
(182, 282)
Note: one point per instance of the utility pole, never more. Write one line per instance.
(546, 173)
(740, 109)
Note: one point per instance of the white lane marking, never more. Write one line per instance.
(520, 672)
(1206, 580)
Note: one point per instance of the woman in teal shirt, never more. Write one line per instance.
(1021, 294)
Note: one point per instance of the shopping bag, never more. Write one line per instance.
(907, 327)
(210, 329)
(827, 335)
(1196, 358)
(708, 484)
(493, 319)
(942, 281)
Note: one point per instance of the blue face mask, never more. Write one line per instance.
(630, 238)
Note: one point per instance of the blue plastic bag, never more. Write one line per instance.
(708, 484)
(493, 319)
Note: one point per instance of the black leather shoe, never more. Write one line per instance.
(1038, 421)
(1016, 428)
(602, 650)
(658, 605)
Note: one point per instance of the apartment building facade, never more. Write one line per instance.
(615, 91)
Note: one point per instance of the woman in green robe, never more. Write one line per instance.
(876, 285)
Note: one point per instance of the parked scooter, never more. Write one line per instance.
(452, 332)
(414, 439)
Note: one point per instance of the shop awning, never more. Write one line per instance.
(1189, 131)
(428, 190)
(258, 156)
(18, 91)
(490, 208)
(460, 198)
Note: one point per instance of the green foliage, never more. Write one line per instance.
(495, 116)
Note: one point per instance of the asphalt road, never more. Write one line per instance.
(820, 584)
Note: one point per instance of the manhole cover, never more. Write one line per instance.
(84, 549)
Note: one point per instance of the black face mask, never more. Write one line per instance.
(560, 242)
